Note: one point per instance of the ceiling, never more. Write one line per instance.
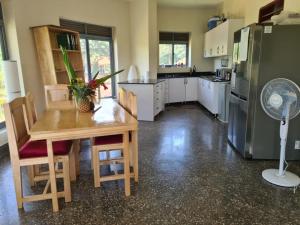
(189, 3)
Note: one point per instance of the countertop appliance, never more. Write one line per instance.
(223, 74)
(261, 53)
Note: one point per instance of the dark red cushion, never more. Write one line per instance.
(39, 148)
(107, 140)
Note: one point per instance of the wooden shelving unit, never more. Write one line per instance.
(50, 57)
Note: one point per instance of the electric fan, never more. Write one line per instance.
(280, 99)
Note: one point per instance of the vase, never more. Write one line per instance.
(83, 105)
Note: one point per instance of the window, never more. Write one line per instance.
(3, 56)
(97, 51)
(97, 56)
(173, 49)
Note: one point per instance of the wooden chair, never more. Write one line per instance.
(31, 117)
(122, 97)
(58, 97)
(115, 142)
(24, 152)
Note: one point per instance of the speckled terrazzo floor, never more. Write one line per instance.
(188, 175)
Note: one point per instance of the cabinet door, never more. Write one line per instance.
(176, 90)
(223, 30)
(199, 90)
(191, 89)
(208, 44)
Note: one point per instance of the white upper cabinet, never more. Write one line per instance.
(219, 41)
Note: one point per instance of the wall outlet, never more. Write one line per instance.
(297, 144)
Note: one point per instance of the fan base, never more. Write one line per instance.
(287, 180)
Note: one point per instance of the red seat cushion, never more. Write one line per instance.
(39, 148)
(110, 139)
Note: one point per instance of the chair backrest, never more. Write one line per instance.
(122, 94)
(16, 121)
(57, 96)
(132, 104)
(30, 110)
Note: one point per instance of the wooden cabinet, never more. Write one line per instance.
(50, 57)
(219, 41)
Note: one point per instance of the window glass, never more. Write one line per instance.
(2, 89)
(84, 58)
(180, 54)
(100, 60)
(97, 56)
(165, 54)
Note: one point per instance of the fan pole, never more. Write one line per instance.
(284, 127)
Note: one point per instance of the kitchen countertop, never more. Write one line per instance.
(141, 81)
(183, 75)
(213, 79)
(204, 75)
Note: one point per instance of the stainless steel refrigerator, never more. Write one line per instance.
(262, 53)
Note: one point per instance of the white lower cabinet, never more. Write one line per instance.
(150, 98)
(181, 89)
(176, 90)
(159, 98)
(208, 95)
(191, 87)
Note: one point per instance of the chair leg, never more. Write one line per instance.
(126, 164)
(30, 172)
(96, 166)
(67, 184)
(135, 155)
(18, 185)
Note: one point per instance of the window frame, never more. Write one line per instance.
(174, 42)
(4, 49)
(88, 37)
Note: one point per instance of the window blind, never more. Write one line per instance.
(173, 37)
(85, 28)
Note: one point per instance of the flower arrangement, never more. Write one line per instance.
(84, 93)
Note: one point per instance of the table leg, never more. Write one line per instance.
(126, 164)
(52, 176)
(77, 155)
(135, 151)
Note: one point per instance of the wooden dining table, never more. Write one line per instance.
(69, 124)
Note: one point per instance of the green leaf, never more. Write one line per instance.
(103, 79)
(70, 70)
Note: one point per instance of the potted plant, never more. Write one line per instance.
(84, 93)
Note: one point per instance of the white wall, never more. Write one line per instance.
(153, 39)
(20, 15)
(139, 29)
(194, 21)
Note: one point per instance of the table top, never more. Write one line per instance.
(66, 124)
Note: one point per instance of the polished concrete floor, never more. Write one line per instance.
(188, 175)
